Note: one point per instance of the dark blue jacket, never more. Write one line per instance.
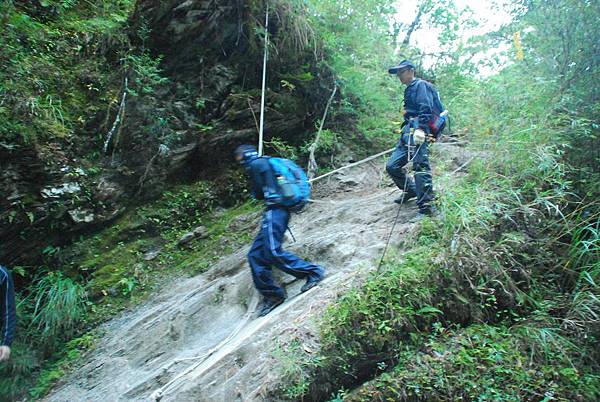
(418, 102)
(8, 313)
(263, 181)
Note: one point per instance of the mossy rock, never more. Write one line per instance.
(105, 279)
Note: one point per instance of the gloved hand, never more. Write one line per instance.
(431, 138)
(4, 353)
(272, 199)
(419, 136)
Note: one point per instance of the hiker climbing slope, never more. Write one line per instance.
(268, 184)
(424, 120)
(7, 313)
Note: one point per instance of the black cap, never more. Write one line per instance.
(403, 65)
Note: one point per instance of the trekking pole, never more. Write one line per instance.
(399, 208)
(392, 230)
(292, 234)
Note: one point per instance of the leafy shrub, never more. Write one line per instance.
(58, 306)
(146, 73)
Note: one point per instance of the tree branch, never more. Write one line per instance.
(413, 25)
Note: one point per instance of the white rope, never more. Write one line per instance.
(264, 80)
(371, 158)
(463, 165)
(159, 393)
(352, 165)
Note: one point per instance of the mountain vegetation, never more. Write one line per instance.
(117, 122)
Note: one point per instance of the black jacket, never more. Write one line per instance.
(8, 313)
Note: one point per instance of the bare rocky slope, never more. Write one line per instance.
(199, 339)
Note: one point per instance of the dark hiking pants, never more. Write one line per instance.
(422, 186)
(267, 252)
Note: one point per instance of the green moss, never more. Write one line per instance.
(222, 239)
(114, 257)
(107, 277)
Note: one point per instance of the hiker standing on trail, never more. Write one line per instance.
(7, 312)
(267, 251)
(424, 120)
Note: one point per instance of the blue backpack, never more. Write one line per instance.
(293, 188)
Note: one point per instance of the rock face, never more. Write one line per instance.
(199, 339)
(182, 126)
(45, 199)
(212, 56)
(198, 233)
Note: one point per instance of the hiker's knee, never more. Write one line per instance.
(272, 253)
(393, 168)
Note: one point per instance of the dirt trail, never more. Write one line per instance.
(200, 340)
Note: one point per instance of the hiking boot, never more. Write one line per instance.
(427, 210)
(311, 282)
(407, 196)
(269, 305)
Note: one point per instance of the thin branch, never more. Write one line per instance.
(462, 166)
(253, 115)
(120, 113)
(413, 25)
(312, 163)
(145, 175)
